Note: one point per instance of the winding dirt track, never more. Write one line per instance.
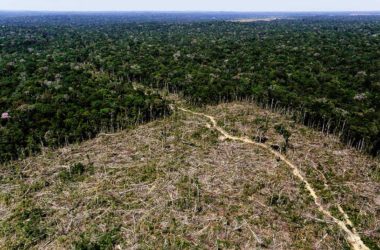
(347, 226)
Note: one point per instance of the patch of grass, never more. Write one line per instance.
(6, 198)
(250, 189)
(375, 172)
(278, 200)
(266, 242)
(259, 120)
(190, 194)
(371, 243)
(303, 131)
(176, 164)
(358, 218)
(203, 135)
(147, 173)
(305, 194)
(97, 241)
(11, 173)
(34, 187)
(179, 243)
(163, 233)
(76, 172)
(224, 244)
(282, 130)
(25, 227)
(198, 134)
(103, 200)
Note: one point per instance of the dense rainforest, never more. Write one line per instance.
(65, 78)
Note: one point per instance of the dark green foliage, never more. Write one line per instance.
(371, 243)
(57, 92)
(190, 194)
(147, 173)
(277, 200)
(25, 227)
(285, 133)
(100, 241)
(75, 172)
(250, 189)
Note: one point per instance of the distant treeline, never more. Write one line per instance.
(63, 80)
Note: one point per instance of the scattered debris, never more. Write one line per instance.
(347, 226)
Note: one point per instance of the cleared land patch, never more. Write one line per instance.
(346, 225)
(174, 183)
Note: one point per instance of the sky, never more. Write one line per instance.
(191, 5)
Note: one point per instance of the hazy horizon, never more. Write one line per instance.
(191, 6)
(185, 11)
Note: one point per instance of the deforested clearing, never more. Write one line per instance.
(178, 183)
